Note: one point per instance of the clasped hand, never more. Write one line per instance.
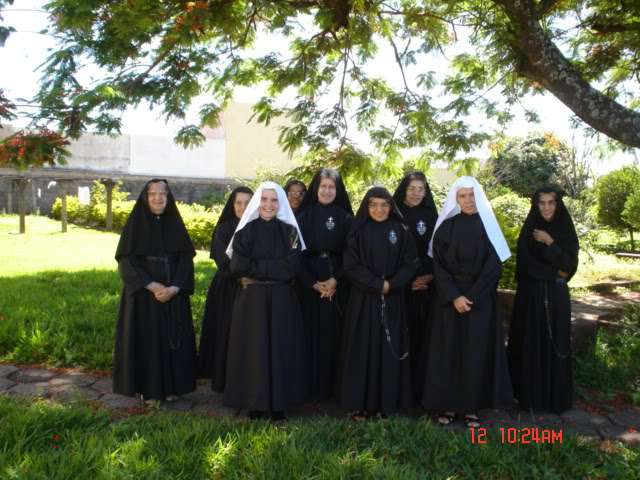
(326, 289)
(462, 304)
(542, 236)
(422, 282)
(162, 293)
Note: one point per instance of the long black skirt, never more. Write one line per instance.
(321, 320)
(372, 377)
(266, 359)
(418, 302)
(465, 359)
(155, 346)
(540, 347)
(212, 354)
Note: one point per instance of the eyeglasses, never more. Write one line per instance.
(295, 194)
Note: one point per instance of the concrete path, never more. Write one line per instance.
(70, 386)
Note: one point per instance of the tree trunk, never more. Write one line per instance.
(540, 60)
(109, 184)
(633, 246)
(21, 183)
(63, 210)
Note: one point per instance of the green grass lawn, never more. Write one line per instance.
(60, 293)
(45, 441)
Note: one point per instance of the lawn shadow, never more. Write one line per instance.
(68, 319)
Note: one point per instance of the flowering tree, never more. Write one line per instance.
(26, 149)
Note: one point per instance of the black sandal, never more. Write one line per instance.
(446, 418)
(471, 420)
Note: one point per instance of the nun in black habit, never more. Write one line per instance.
(296, 190)
(155, 344)
(380, 261)
(540, 341)
(465, 360)
(415, 202)
(324, 219)
(212, 354)
(266, 371)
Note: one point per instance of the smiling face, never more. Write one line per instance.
(467, 201)
(268, 204)
(240, 203)
(379, 209)
(326, 191)
(415, 193)
(295, 194)
(547, 205)
(157, 197)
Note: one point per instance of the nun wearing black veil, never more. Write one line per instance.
(212, 354)
(540, 340)
(380, 261)
(266, 369)
(155, 344)
(465, 360)
(415, 202)
(324, 219)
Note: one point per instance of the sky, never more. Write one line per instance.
(26, 49)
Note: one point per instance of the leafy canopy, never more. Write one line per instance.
(170, 53)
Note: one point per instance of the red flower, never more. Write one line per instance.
(631, 430)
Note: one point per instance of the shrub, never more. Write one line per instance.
(511, 212)
(198, 220)
(525, 164)
(613, 191)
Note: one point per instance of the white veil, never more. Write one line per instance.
(285, 213)
(489, 220)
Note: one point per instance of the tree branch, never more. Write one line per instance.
(541, 61)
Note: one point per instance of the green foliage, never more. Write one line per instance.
(44, 440)
(199, 220)
(523, 165)
(631, 212)
(612, 367)
(613, 191)
(511, 212)
(583, 210)
(172, 54)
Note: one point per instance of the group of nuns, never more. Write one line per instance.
(388, 309)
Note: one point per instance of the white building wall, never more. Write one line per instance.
(100, 153)
(159, 156)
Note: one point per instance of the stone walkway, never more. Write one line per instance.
(75, 386)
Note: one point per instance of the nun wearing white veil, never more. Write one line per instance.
(464, 365)
(266, 358)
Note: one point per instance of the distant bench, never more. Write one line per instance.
(628, 255)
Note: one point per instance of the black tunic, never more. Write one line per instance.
(154, 351)
(372, 377)
(324, 229)
(540, 339)
(265, 357)
(420, 220)
(465, 361)
(218, 309)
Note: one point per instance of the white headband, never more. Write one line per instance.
(487, 216)
(285, 213)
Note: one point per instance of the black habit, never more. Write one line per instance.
(376, 372)
(324, 229)
(155, 344)
(540, 338)
(420, 220)
(212, 354)
(465, 360)
(266, 357)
